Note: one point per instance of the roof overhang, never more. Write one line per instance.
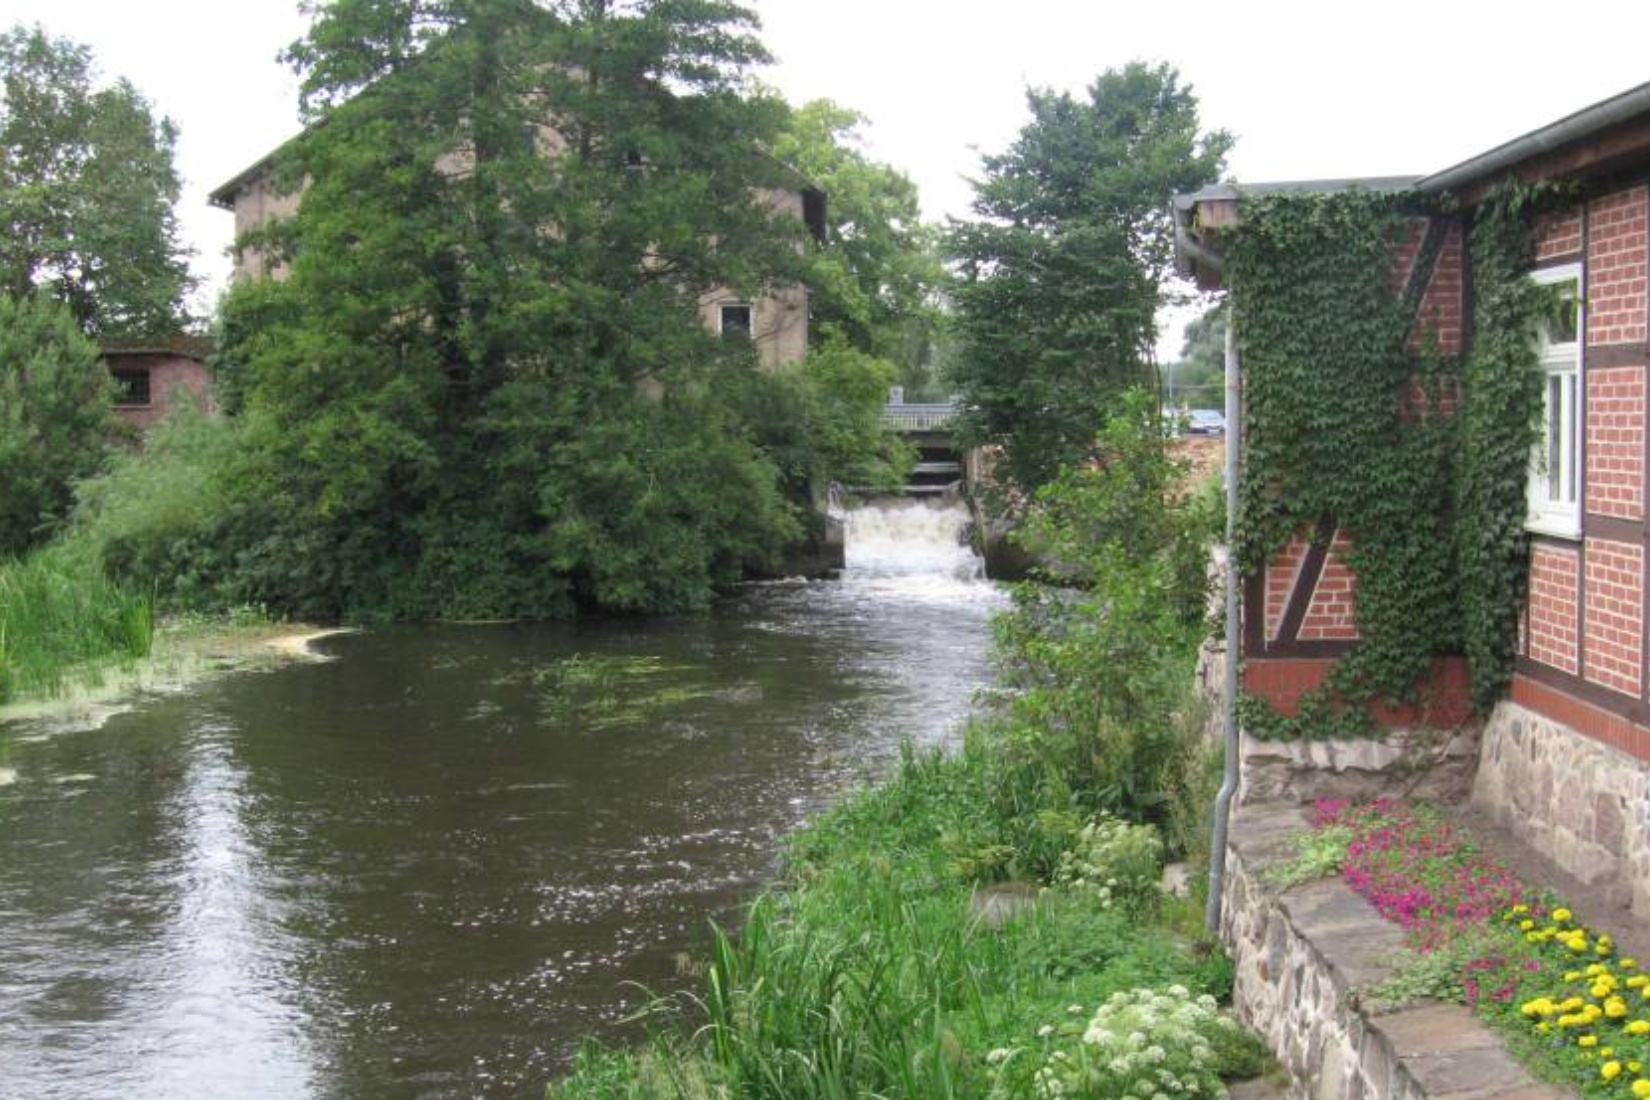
(1592, 142)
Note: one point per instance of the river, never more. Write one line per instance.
(429, 865)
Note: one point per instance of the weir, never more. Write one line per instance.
(908, 537)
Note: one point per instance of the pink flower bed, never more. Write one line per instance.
(1419, 870)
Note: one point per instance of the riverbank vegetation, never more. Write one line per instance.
(990, 923)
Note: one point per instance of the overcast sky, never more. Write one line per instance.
(1311, 90)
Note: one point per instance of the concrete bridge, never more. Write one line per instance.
(941, 463)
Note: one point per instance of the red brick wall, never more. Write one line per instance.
(1615, 442)
(1558, 236)
(1616, 257)
(1445, 699)
(1613, 640)
(1439, 317)
(1329, 617)
(1280, 581)
(172, 379)
(1551, 636)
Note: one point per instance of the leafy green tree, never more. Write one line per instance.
(484, 386)
(875, 281)
(1195, 379)
(87, 189)
(56, 416)
(1059, 278)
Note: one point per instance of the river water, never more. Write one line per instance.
(427, 866)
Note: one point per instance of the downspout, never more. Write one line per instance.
(1229, 687)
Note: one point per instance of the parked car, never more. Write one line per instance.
(1205, 422)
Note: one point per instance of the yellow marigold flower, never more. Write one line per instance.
(1561, 915)
(1587, 1041)
(1601, 950)
(1543, 1027)
(1572, 975)
(1600, 990)
(1540, 1006)
(1615, 1008)
(1592, 1012)
(1639, 1027)
(1605, 940)
(1593, 970)
(1629, 963)
(1641, 1087)
(1572, 1003)
(1526, 924)
(1638, 980)
(1610, 1070)
(1519, 908)
(1633, 1067)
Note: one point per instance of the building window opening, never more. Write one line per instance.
(131, 387)
(736, 321)
(1555, 466)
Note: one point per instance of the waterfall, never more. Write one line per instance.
(909, 537)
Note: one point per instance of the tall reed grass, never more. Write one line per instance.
(62, 622)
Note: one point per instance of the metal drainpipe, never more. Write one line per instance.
(1229, 689)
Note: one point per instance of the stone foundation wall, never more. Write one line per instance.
(1430, 764)
(1577, 801)
(1302, 957)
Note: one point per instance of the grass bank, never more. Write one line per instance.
(881, 968)
(64, 624)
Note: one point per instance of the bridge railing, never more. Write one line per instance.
(918, 418)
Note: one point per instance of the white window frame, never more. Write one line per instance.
(1557, 482)
(749, 333)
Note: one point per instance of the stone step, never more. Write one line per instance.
(1302, 956)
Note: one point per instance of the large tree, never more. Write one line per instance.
(1060, 275)
(56, 416)
(875, 281)
(87, 189)
(484, 387)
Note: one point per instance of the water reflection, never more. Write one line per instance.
(426, 868)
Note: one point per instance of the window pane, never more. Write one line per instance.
(736, 321)
(1561, 317)
(1571, 464)
(1554, 437)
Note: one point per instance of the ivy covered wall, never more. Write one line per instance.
(1361, 421)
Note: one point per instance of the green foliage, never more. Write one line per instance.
(1344, 427)
(1060, 275)
(56, 416)
(485, 388)
(1112, 862)
(1318, 854)
(1197, 378)
(61, 621)
(1097, 671)
(873, 282)
(871, 974)
(151, 518)
(1499, 414)
(86, 192)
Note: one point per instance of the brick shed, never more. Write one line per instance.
(153, 380)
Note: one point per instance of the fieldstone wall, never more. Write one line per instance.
(1304, 954)
(1418, 763)
(1577, 801)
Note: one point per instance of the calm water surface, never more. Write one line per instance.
(429, 865)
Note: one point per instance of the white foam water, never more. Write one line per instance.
(909, 538)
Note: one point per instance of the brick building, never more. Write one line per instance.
(152, 380)
(1566, 758)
